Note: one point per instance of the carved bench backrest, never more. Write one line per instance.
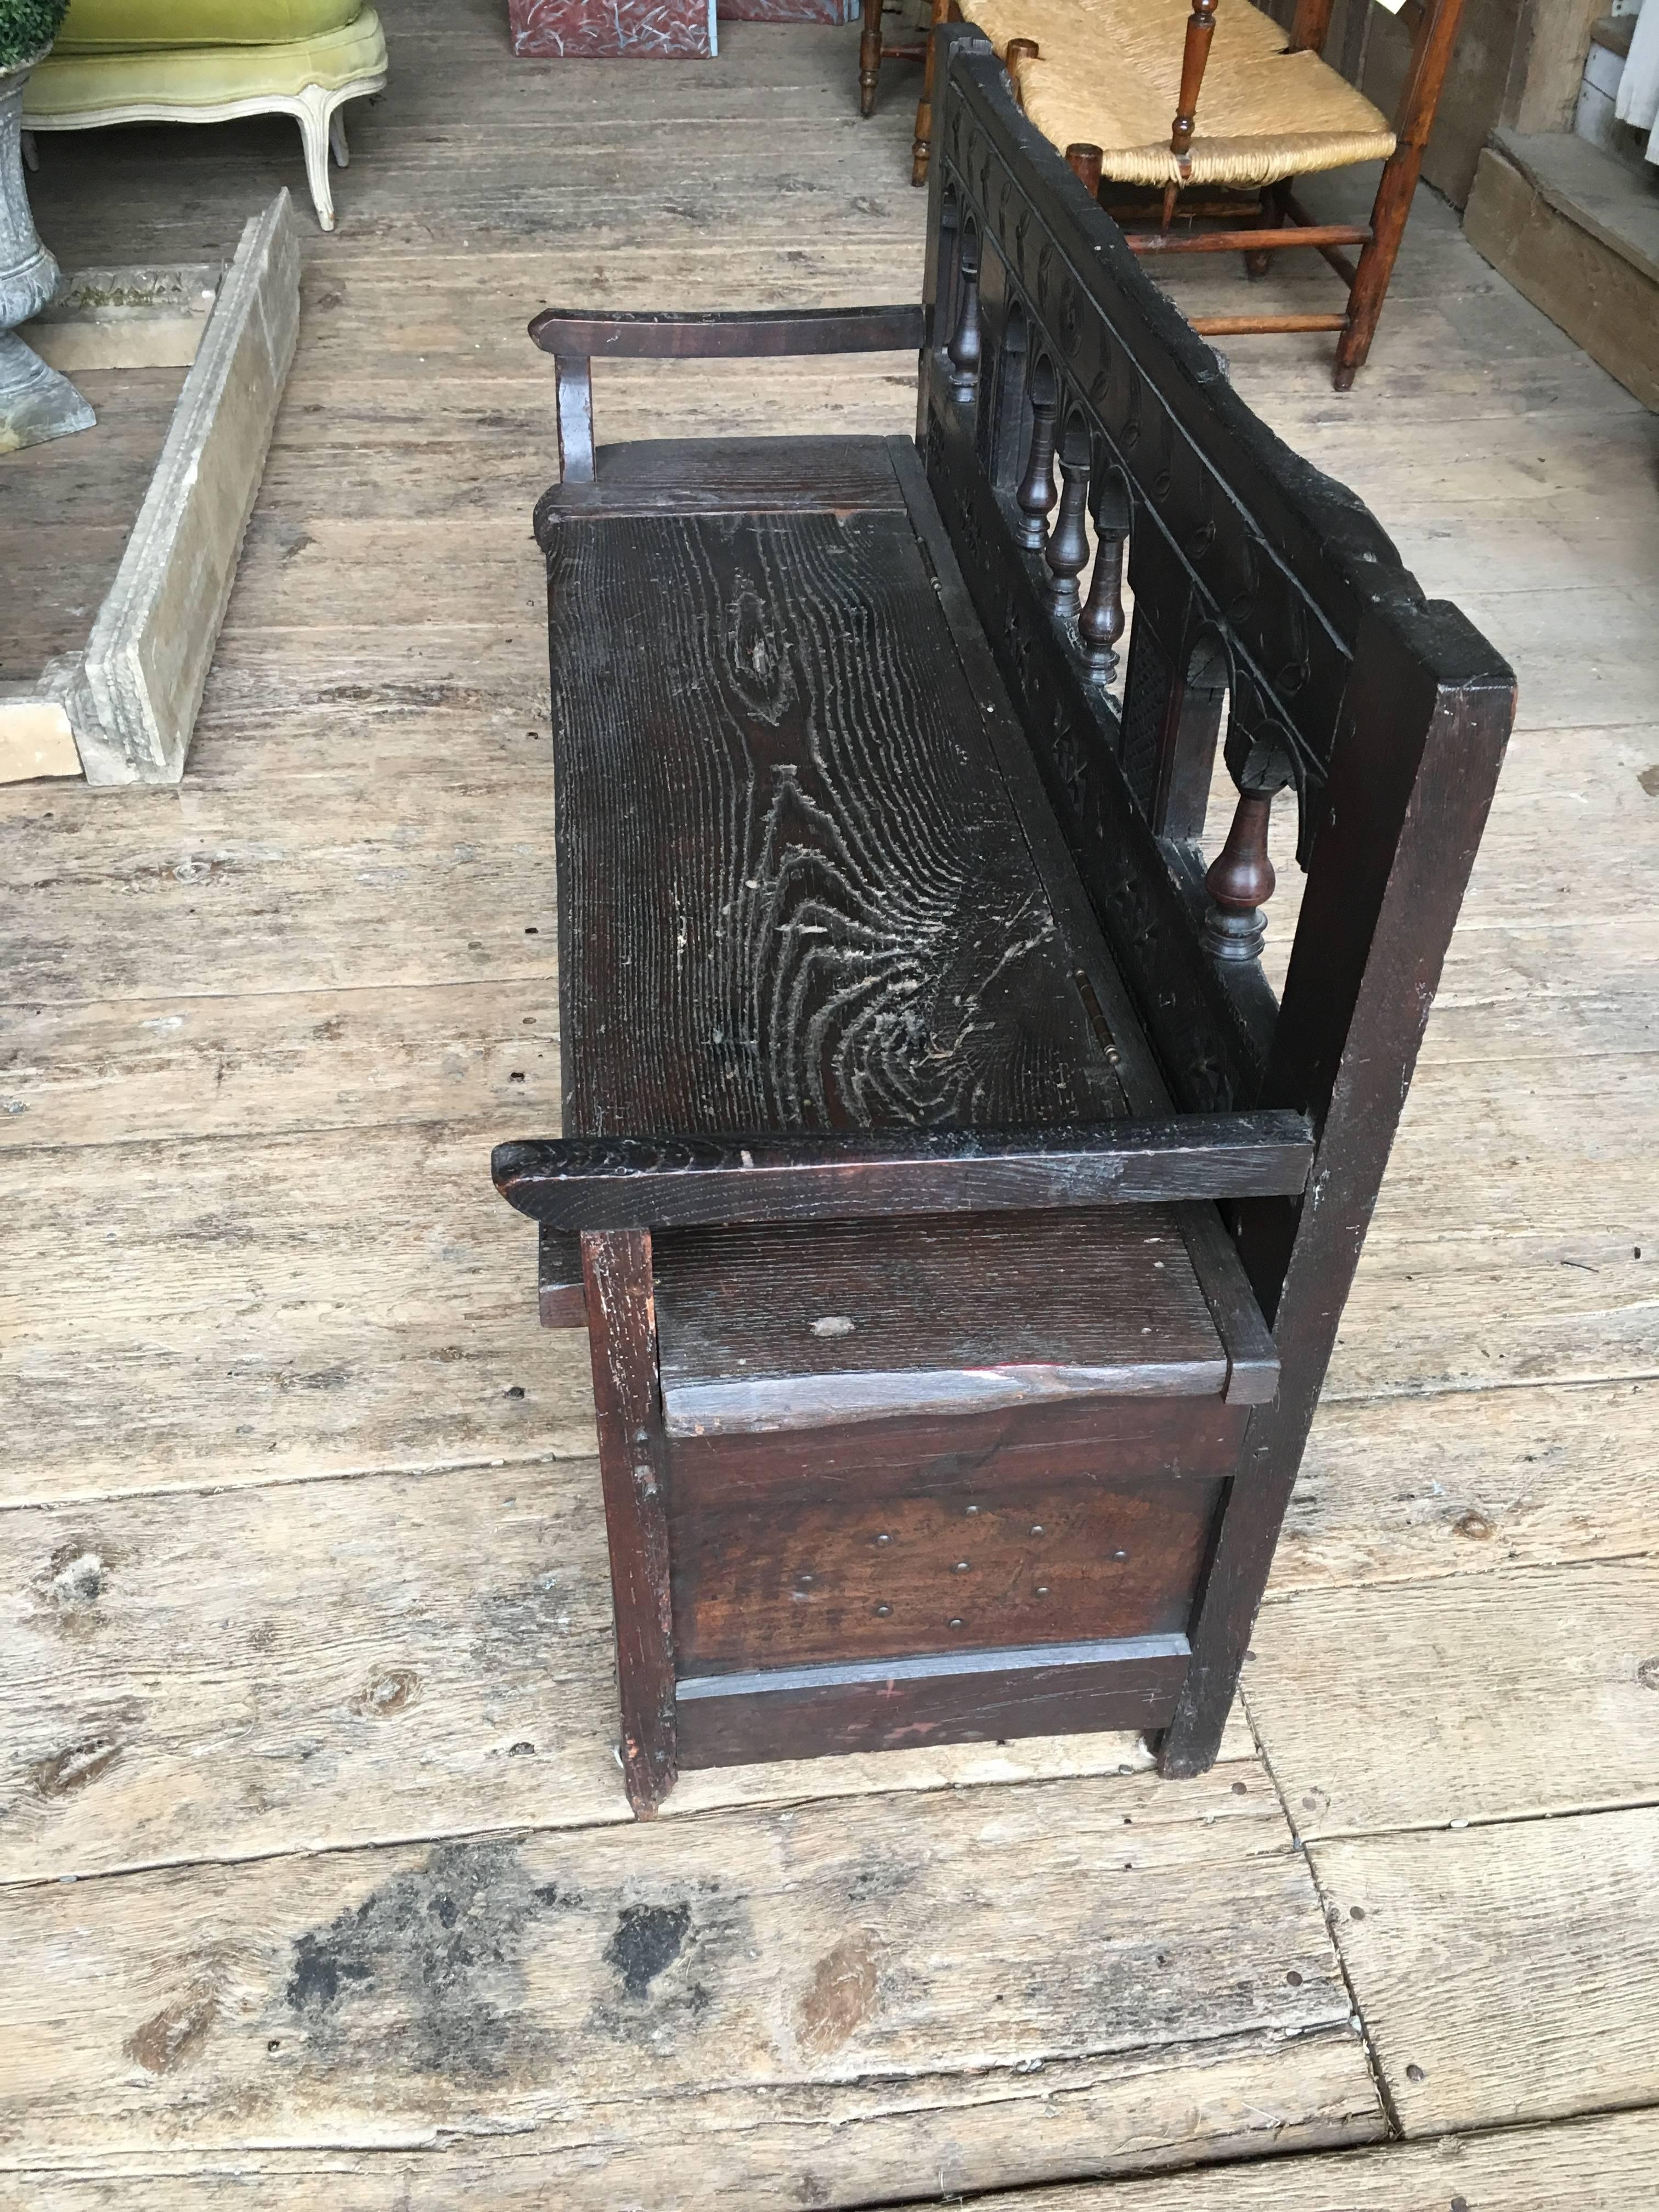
(1251, 574)
(1256, 581)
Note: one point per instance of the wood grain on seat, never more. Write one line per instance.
(794, 891)
(652, 475)
(844, 1320)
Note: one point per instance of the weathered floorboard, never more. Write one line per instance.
(588, 1990)
(182, 1316)
(1510, 1694)
(1505, 1972)
(1601, 2165)
(774, 2148)
(327, 1665)
(236, 1065)
(1455, 1482)
(453, 890)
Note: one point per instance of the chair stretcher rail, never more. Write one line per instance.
(626, 1182)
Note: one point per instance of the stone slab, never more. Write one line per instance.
(130, 698)
(1604, 299)
(132, 318)
(152, 642)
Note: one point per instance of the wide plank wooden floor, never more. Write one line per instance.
(317, 1882)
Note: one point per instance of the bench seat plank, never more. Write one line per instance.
(720, 476)
(771, 1329)
(794, 891)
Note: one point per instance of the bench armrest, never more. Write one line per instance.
(697, 336)
(627, 1183)
(573, 339)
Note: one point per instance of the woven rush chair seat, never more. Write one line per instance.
(1110, 72)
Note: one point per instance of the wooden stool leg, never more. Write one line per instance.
(923, 144)
(633, 1473)
(869, 57)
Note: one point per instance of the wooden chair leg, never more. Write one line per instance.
(1275, 214)
(1389, 209)
(1431, 53)
(869, 57)
(923, 143)
(312, 113)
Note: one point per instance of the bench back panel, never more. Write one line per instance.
(1251, 573)
(1254, 577)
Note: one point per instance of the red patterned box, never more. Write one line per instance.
(552, 29)
(788, 11)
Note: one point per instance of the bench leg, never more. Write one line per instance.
(633, 1472)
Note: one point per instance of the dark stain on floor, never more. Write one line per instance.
(648, 1938)
(429, 1967)
(669, 1958)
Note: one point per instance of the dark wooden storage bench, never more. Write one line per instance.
(960, 1224)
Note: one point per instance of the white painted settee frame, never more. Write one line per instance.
(315, 108)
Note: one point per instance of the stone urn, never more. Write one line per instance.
(36, 403)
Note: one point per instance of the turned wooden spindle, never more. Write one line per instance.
(1036, 493)
(1015, 55)
(1201, 29)
(1067, 555)
(921, 146)
(1101, 623)
(1085, 161)
(964, 349)
(870, 58)
(1241, 883)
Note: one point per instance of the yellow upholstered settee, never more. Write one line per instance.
(209, 61)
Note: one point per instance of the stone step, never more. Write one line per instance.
(1578, 231)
